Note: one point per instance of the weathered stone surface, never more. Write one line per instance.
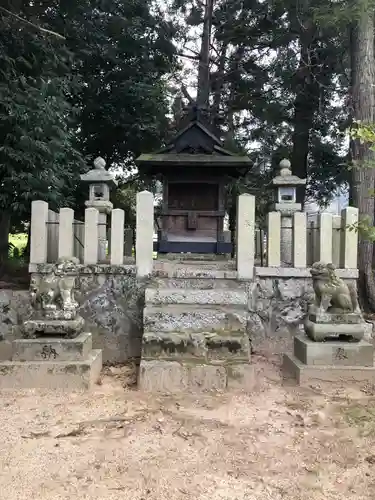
(323, 331)
(369, 331)
(193, 272)
(112, 306)
(332, 294)
(162, 376)
(307, 375)
(111, 303)
(15, 308)
(52, 294)
(202, 347)
(333, 353)
(199, 283)
(277, 308)
(159, 296)
(174, 318)
(58, 349)
(68, 375)
(331, 318)
(68, 328)
(5, 350)
(171, 376)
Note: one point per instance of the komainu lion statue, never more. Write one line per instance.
(332, 294)
(55, 290)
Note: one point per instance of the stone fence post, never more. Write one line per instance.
(52, 236)
(38, 232)
(325, 237)
(90, 255)
(349, 238)
(274, 239)
(245, 236)
(144, 245)
(117, 237)
(66, 218)
(299, 239)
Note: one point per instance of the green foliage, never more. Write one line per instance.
(260, 76)
(38, 159)
(123, 54)
(98, 88)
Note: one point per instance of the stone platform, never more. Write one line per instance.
(184, 376)
(330, 361)
(52, 363)
(195, 332)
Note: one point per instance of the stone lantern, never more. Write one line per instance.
(285, 184)
(100, 183)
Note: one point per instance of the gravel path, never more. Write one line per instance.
(115, 443)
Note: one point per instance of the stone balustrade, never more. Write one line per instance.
(329, 238)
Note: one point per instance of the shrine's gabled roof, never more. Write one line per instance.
(194, 145)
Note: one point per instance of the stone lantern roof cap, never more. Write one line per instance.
(285, 177)
(99, 174)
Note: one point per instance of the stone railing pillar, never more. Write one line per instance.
(245, 236)
(274, 239)
(52, 236)
(325, 237)
(90, 255)
(66, 218)
(38, 232)
(349, 238)
(144, 233)
(299, 239)
(117, 237)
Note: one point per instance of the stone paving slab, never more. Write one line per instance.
(69, 375)
(307, 375)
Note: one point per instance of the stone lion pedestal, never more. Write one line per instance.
(55, 352)
(332, 348)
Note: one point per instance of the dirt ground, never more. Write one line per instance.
(117, 443)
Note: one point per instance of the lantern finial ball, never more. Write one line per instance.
(285, 167)
(99, 163)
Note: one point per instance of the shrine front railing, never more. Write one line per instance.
(292, 244)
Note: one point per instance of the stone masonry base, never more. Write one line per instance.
(332, 361)
(178, 376)
(52, 363)
(306, 375)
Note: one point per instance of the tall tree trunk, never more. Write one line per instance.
(307, 90)
(362, 94)
(217, 85)
(203, 91)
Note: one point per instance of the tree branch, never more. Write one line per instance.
(48, 32)
(194, 58)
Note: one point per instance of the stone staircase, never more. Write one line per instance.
(195, 328)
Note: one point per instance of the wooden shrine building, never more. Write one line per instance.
(194, 170)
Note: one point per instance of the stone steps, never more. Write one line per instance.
(195, 328)
(197, 347)
(205, 297)
(195, 318)
(171, 271)
(203, 283)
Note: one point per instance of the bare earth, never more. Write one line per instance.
(116, 443)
